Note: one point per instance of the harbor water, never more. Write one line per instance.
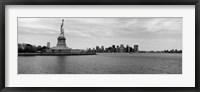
(103, 63)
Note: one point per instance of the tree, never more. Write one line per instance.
(29, 48)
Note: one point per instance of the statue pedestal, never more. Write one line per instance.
(61, 42)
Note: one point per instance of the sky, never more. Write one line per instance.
(150, 33)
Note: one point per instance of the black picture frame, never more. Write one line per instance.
(99, 2)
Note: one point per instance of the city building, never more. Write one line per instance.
(136, 48)
(102, 48)
(48, 44)
(121, 48)
(128, 48)
(117, 49)
(113, 48)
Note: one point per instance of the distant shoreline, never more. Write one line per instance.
(69, 54)
(54, 54)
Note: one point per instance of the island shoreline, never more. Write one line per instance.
(54, 54)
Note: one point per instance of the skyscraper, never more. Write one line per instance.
(118, 49)
(48, 44)
(102, 48)
(136, 48)
(121, 48)
(113, 48)
(127, 48)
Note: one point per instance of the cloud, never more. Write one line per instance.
(103, 27)
(160, 24)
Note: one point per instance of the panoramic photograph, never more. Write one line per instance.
(99, 45)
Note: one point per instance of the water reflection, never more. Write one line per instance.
(61, 62)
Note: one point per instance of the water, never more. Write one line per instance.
(103, 63)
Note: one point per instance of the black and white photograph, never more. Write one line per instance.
(99, 45)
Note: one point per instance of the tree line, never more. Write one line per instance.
(28, 48)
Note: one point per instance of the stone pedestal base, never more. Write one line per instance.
(61, 42)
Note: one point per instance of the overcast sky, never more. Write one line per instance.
(150, 33)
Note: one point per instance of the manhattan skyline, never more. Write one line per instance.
(150, 33)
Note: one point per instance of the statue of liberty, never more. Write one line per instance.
(61, 38)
